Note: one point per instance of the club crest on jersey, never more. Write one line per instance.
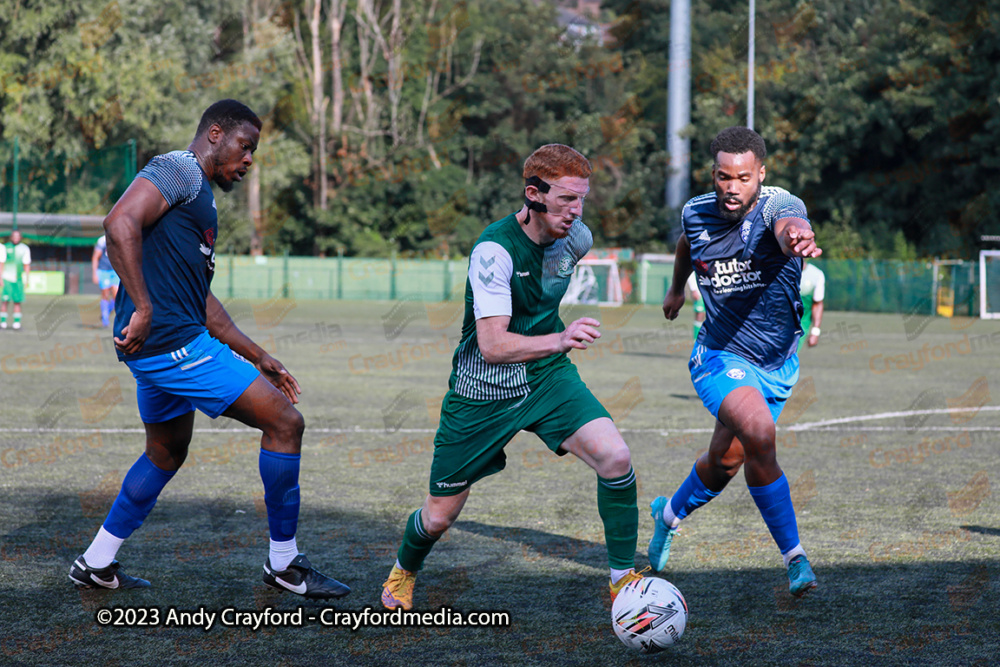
(745, 230)
(565, 266)
(736, 373)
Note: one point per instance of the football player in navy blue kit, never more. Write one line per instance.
(186, 353)
(745, 243)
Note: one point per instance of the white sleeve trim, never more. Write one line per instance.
(819, 293)
(490, 271)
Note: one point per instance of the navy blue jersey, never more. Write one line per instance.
(750, 287)
(178, 256)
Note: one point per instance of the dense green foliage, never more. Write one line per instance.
(396, 125)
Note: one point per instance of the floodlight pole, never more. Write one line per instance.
(679, 104)
(750, 66)
(14, 197)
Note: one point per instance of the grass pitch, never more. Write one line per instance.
(889, 443)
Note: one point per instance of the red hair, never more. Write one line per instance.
(554, 161)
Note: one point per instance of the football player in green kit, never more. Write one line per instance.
(511, 372)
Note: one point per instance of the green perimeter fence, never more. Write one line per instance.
(923, 287)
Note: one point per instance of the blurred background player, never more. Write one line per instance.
(745, 242)
(186, 353)
(697, 303)
(813, 291)
(106, 278)
(16, 268)
(511, 372)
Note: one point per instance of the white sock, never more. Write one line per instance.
(616, 575)
(102, 550)
(669, 517)
(282, 553)
(797, 550)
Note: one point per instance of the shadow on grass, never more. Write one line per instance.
(535, 544)
(207, 554)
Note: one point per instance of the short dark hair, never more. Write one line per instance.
(738, 140)
(227, 114)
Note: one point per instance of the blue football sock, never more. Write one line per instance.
(691, 495)
(105, 311)
(140, 489)
(775, 504)
(280, 474)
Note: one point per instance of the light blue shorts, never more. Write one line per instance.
(107, 279)
(715, 373)
(204, 374)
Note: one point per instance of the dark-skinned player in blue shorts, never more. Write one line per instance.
(186, 353)
(745, 243)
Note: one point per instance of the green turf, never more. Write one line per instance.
(900, 515)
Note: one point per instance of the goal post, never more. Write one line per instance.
(595, 281)
(989, 284)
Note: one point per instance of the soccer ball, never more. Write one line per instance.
(649, 615)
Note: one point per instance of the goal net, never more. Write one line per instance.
(595, 281)
(989, 284)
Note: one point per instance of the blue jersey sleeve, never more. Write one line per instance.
(176, 175)
(782, 204)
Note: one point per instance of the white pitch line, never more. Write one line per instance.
(890, 415)
(818, 426)
(896, 429)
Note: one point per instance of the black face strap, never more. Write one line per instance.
(543, 187)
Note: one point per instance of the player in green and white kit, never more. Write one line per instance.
(511, 373)
(16, 261)
(812, 289)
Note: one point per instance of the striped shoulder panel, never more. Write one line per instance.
(176, 175)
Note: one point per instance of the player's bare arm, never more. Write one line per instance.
(796, 238)
(140, 206)
(817, 322)
(500, 346)
(94, 259)
(674, 299)
(221, 326)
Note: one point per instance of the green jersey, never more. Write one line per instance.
(14, 259)
(511, 275)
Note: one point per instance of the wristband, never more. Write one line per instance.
(814, 331)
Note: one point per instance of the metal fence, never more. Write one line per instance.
(923, 287)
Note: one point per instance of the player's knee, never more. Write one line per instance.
(728, 463)
(290, 426)
(757, 436)
(617, 462)
(169, 457)
(436, 523)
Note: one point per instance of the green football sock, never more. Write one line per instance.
(697, 328)
(17, 318)
(616, 503)
(417, 543)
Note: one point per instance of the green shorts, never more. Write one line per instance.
(13, 290)
(472, 434)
